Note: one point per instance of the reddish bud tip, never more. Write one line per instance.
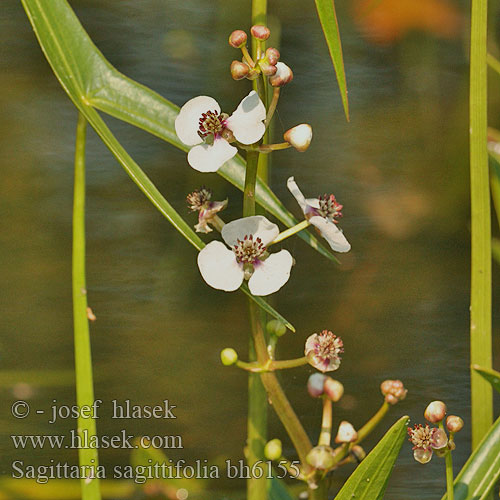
(435, 412)
(267, 69)
(283, 75)
(333, 389)
(237, 39)
(260, 32)
(272, 55)
(239, 70)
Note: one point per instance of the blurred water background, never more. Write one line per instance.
(400, 168)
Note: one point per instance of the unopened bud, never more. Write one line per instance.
(435, 412)
(267, 69)
(260, 32)
(239, 70)
(454, 423)
(237, 39)
(346, 433)
(228, 356)
(273, 449)
(315, 385)
(283, 75)
(358, 453)
(272, 55)
(333, 389)
(276, 327)
(299, 137)
(321, 457)
(393, 391)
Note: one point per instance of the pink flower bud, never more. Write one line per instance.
(260, 32)
(346, 433)
(333, 389)
(321, 457)
(393, 391)
(283, 75)
(299, 137)
(272, 55)
(239, 70)
(237, 39)
(315, 385)
(435, 412)
(267, 69)
(454, 423)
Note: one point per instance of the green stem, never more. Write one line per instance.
(288, 363)
(272, 106)
(480, 310)
(449, 475)
(87, 458)
(290, 232)
(373, 422)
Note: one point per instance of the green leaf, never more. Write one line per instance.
(90, 79)
(482, 470)
(279, 490)
(80, 67)
(492, 376)
(369, 480)
(328, 19)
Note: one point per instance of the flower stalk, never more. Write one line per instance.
(87, 457)
(291, 231)
(326, 423)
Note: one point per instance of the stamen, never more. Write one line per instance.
(329, 208)
(211, 123)
(248, 250)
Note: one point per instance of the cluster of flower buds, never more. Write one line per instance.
(267, 62)
(428, 440)
(393, 391)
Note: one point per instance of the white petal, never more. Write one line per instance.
(209, 158)
(331, 233)
(187, 121)
(313, 202)
(256, 225)
(297, 193)
(246, 122)
(219, 267)
(270, 275)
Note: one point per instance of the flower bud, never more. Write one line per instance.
(393, 391)
(299, 137)
(272, 55)
(358, 453)
(283, 75)
(260, 32)
(239, 70)
(346, 433)
(333, 389)
(435, 412)
(273, 449)
(321, 457)
(454, 423)
(237, 39)
(267, 68)
(276, 327)
(228, 356)
(315, 385)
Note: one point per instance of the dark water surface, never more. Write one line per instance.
(399, 300)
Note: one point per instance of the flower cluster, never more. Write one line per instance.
(323, 351)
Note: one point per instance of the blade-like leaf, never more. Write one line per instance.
(482, 470)
(279, 491)
(492, 376)
(328, 19)
(369, 480)
(72, 62)
(89, 78)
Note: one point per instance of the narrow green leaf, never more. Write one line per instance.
(72, 61)
(88, 78)
(279, 490)
(492, 376)
(328, 19)
(482, 470)
(495, 249)
(493, 63)
(369, 480)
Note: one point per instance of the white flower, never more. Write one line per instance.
(322, 213)
(201, 124)
(247, 258)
